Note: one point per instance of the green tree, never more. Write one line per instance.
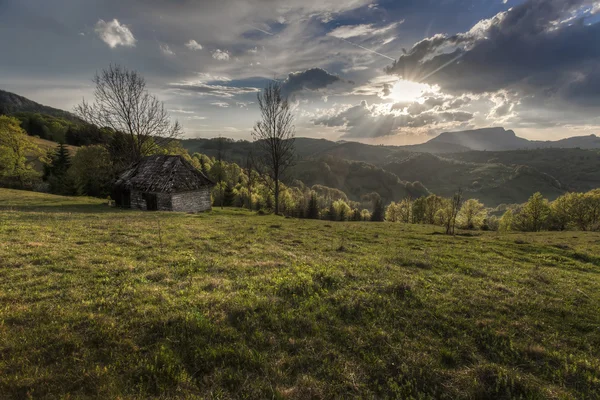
(15, 146)
(560, 208)
(228, 195)
(332, 213)
(418, 210)
(55, 173)
(378, 214)
(92, 171)
(507, 221)
(433, 204)
(342, 210)
(472, 214)
(391, 212)
(535, 213)
(313, 207)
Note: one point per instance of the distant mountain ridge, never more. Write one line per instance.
(11, 103)
(491, 164)
(500, 139)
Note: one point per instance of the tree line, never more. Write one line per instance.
(571, 211)
(125, 123)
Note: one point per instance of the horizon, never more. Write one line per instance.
(375, 72)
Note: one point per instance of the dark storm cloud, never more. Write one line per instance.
(311, 79)
(530, 48)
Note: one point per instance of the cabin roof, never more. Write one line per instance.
(163, 174)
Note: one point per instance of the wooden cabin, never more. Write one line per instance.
(163, 183)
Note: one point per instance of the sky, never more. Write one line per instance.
(375, 71)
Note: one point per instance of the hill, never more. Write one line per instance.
(576, 169)
(123, 304)
(11, 103)
(482, 139)
(355, 178)
(493, 183)
(498, 139)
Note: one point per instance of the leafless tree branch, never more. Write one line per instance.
(123, 103)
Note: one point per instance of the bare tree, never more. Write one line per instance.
(251, 180)
(220, 170)
(123, 103)
(455, 203)
(274, 137)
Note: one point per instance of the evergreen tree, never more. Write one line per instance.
(56, 172)
(312, 211)
(331, 214)
(378, 214)
(228, 196)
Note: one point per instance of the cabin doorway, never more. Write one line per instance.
(151, 202)
(124, 199)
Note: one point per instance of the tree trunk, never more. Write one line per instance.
(276, 196)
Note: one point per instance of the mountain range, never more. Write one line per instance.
(492, 164)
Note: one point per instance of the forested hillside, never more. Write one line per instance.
(440, 166)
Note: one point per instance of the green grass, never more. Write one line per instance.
(105, 303)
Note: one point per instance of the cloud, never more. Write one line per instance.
(373, 121)
(114, 34)
(193, 45)
(220, 55)
(310, 79)
(218, 90)
(536, 48)
(350, 31)
(166, 50)
(221, 104)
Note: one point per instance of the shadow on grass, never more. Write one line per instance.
(65, 208)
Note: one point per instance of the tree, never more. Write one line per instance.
(250, 181)
(378, 214)
(448, 213)
(219, 171)
(313, 207)
(332, 213)
(365, 215)
(391, 212)
(433, 203)
(123, 103)
(92, 171)
(342, 210)
(535, 213)
(228, 195)
(560, 208)
(472, 214)
(55, 172)
(418, 210)
(15, 145)
(274, 137)
(405, 210)
(507, 221)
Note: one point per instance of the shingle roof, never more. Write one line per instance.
(163, 174)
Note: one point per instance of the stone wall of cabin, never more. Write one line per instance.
(138, 201)
(196, 201)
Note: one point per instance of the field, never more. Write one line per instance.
(105, 303)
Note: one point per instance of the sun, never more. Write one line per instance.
(407, 91)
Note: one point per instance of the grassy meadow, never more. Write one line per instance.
(105, 303)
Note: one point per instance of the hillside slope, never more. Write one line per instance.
(11, 103)
(354, 178)
(99, 303)
(498, 139)
(492, 183)
(576, 169)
